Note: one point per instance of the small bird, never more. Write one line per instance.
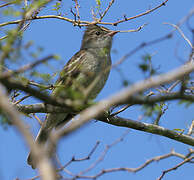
(90, 64)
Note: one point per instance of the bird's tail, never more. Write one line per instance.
(50, 122)
(41, 139)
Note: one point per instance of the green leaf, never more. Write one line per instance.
(157, 108)
(147, 57)
(181, 131)
(57, 6)
(125, 83)
(57, 57)
(4, 121)
(143, 67)
(98, 2)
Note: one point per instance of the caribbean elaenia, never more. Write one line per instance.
(92, 61)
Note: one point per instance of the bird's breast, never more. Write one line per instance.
(97, 72)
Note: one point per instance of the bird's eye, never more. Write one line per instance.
(97, 33)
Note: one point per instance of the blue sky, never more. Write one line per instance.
(60, 37)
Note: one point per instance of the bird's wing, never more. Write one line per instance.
(72, 68)
(68, 75)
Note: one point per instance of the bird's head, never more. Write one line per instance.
(97, 37)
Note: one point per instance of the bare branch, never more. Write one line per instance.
(191, 129)
(8, 74)
(77, 9)
(182, 34)
(6, 4)
(132, 30)
(148, 162)
(173, 86)
(121, 110)
(22, 99)
(73, 159)
(102, 156)
(46, 108)
(175, 167)
(84, 23)
(137, 16)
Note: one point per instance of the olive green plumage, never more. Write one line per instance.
(83, 76)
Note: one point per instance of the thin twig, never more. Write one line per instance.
(173, 86)
(182, 34)
(22, 99)
(175, 167)
(77, 9)
(36, 117)
(134, 170)
(133, 30)
(84, 23)
(7, 4)
(106, 10)
(128, 105)
(191, 128)
(8, 74)
(73, 159)
(121, 110)
(101, 158)
(137, 16)
(4, 37)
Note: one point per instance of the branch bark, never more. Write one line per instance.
(134, 100)
(150, 128)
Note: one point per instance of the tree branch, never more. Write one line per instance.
(150, 128)
(8, 74)
(83, 23)
(175, 167)
(13, 84)
(98, 109)
(134, 100)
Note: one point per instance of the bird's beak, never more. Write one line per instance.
(112, 33)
